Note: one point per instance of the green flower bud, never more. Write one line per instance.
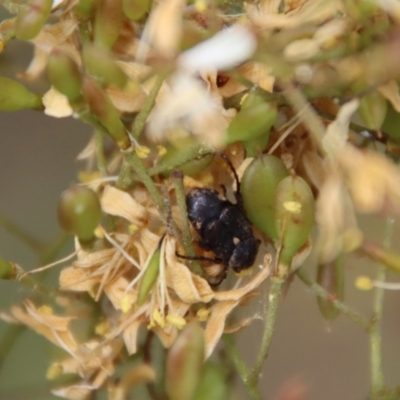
(190, 168)
(99, 63)
(331, 277)
(8, 269)
(15, 97)
(213, 384)
(65, 76)
(108, 22)
(149, 278)
(259, 184)
(79, 212)
(372, 110)
(184, 363)
(255, 118)
(136, 9)
(83, 10)
(294, 213)
(102, 107)
(31, 18)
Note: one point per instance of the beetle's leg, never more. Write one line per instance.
(221, 277)
(238, 195)
(199, 258)
(223, 189)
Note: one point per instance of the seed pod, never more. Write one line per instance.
(136, 9)
(150, 277)
(31, 18)
(15, 97)
(294, 213)
(108, 22)
(84, 9)
(372, 110)
(65, 76)
(8, 270)
(255, 118)
(213, 384)
(101, 106)
(184, 363)
(99, 63)
(79, 212)
(259, 184)
(331, 277)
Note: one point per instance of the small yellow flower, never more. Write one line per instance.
(176, 321)
(142, 151)
(161, 150)
(364, 283)
(203, 314)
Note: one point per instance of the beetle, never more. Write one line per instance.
(222, 228)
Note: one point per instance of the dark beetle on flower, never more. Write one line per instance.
(222, 228)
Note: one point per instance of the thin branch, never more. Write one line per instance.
(240, 367)
(377, 377)
(148, 105)
(270, 315)
(323, 294)
(21, 234)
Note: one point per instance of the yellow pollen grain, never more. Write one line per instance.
(125, 304)
(142, 151)
(161, 150)
(54, 371)
(200, 5)
(242, 100)
(46, 310)
(203, 314)
(364, 283)
(158, 319)
(99, 232)
(176, 321)
(103, 328)
(293, 207)
(132, 228)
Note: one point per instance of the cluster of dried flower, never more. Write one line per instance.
(191, 102)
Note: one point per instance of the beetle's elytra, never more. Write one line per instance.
(222, 228)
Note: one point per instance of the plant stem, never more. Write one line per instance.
(240, 367)
(270, 315)
(17, 231)
(8, 340)
(101, 160)
(148, 105)
(177, 180)
(308, 116)
(134, 161)
(323, 294)
(377, 377)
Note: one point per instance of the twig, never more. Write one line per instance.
(134, 161)
(101, 160)
(323, 294)
(271, 313)
(240, 367)
(8, 340)
(148, 105)
(377, 377)
(308, 116)
(21, 234)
